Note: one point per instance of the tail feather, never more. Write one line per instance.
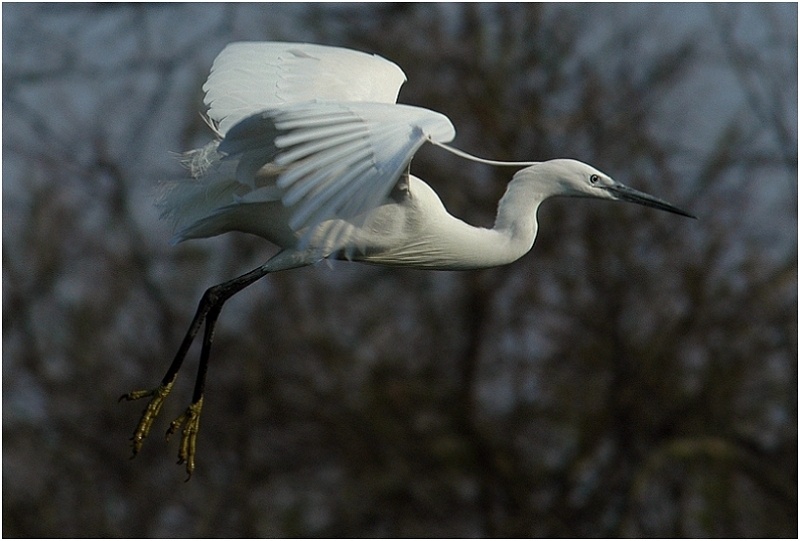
(201, 199)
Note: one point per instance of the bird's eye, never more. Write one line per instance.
(594, 179)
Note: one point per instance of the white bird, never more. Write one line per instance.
(312, 153)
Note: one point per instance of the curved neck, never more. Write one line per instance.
(431, 238)
(467, 247)
(516, 214)
(511, 237)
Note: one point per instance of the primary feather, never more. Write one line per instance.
(312, 126)
(248, 77)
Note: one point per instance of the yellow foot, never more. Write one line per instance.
(150, 412)
(190, 421)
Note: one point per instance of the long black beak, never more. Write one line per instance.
(623, 193)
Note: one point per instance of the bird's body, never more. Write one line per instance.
(313, 155)
(410, 227)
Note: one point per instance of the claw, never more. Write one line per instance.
(149, 414)
(190, 421)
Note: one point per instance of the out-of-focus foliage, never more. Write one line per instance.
(635, 375)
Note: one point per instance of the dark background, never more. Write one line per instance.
(634, 375)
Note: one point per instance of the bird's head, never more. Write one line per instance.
(572, 178)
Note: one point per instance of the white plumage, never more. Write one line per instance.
(313, 155)
(315, 127)
(248, 77)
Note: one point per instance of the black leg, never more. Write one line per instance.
(207, 312)
(190, 419)
(161, 392)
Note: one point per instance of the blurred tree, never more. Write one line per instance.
(634, 376)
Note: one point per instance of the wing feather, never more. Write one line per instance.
(248, 77)
(338, 160)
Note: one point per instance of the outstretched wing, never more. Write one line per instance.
(248, 77)
(338, 160)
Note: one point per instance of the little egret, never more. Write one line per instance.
(312, 153)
